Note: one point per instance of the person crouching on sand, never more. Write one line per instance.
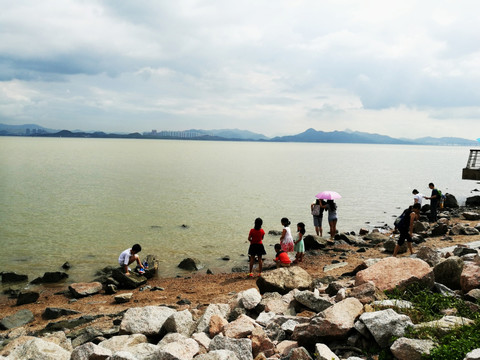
(256, 248)
(282, 258)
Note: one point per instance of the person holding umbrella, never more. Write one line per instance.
(331, 207)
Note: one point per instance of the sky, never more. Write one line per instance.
(276, 67)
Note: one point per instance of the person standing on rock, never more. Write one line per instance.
(256, 248)
(405, 227)
(317, 210)
(434, 199)
(417, 197)
(129, 256)
(331, 207)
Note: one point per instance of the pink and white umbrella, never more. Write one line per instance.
(328, 195)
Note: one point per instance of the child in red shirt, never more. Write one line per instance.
(282, 258)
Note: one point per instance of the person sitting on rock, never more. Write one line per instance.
(129, 256)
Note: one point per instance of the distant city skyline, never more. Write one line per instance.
(403, 69)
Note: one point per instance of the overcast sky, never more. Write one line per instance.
(276, 67)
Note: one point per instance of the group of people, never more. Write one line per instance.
(317, 210)
(286, 244)
(405, 222)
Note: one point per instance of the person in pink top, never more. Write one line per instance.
(256, 248)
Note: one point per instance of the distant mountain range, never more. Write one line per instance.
(310, 135)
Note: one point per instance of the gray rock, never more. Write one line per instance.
(464, 250)
(51, 313)
(131, 281)
(445, 324)
(312, 242)
(430, 256)
(411, 349)
(146, 320)
(27, 297)
(50, 277)
(469, 215)
(470, 231)
(123, 298)
(439, 229)
(375, 237)
(39, 349)
(218, 355)
(249, 299)
(390, 244)
(313, 300)
(241, 347)
(323, 352)
(450, 202)
(180, 322)
(84, 335)
(449, 271)
(176, 346)
(385, 324)
(190, 264)
(473, 355)
(18, 319)
(79, 290)
(283, 280)
(473, 295)
(222, 310)
(90, 351)
(123, 342)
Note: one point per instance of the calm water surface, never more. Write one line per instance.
(86, 200)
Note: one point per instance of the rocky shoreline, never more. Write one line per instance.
(331, 306)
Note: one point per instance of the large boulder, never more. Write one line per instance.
(50, 278)
(473, 201)
(390, 273)
(90, 351)
(12, 277)
(313, 242)
(249, 299)
(283, 280)
(450, 202)
(241, 347)
(180, 322)
(191, 264)
(39, 349)
(448, 272)
(147, 320)
(131, 281)
(20, 318)
(470, 277)
(313, 300)
(334, 322)
(470, 215)
(429, 255)
(385, 324)
(222, 310)
(27, 297)
(411, 349)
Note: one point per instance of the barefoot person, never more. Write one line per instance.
(129, 256)
(405, 227)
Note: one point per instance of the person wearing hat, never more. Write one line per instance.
(417, 197)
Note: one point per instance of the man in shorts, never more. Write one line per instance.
(405, 227)
(129, 256)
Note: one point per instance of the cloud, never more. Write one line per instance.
(271, 67)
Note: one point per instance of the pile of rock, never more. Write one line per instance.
(290, 316)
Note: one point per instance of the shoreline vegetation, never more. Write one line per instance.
(334, 304)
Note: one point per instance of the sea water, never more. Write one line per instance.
(86, 200)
